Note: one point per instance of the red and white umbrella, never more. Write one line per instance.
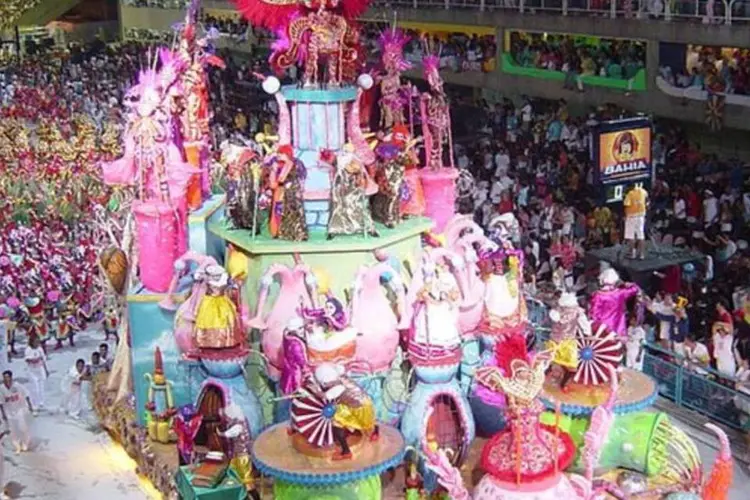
(313, 418)
(596, 353)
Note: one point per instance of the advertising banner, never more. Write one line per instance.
(624, 154)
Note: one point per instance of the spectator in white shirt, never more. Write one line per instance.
(710, 209)
(502, 162)
(696, 354)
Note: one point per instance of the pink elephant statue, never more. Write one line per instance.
(184, 321)
(373, 316)
(294, 293)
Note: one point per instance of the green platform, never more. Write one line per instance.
(339, 258)
(230, 487)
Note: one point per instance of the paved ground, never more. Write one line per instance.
(75, 460)
(69, 459)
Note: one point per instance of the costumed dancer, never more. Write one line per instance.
(36, 361)
(15, 407)
(412, 193)
(111, 323)
(568, 322)
(286, 180)
(295, 365)
(636, 205)
(7, 326)
(238, 434)
(609, 304)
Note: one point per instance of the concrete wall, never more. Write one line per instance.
(675, 31)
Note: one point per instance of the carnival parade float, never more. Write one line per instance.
(300, 335)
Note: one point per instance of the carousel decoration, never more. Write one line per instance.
(160, 407)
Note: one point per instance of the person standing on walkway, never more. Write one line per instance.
(15, 408)
(36, 361)
(72, 385)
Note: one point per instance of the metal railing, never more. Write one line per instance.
(703, 11)
(706, 391)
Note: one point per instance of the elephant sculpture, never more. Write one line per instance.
(373, 316)
(294, 294)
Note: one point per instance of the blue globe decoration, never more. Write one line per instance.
(329, 410)
(587, 354)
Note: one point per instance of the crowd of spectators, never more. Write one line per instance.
(534, 160)
(715, 69)
(578, 55)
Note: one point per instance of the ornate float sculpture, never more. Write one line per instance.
(437, 408)
(392, 98)
(439, 174)
(213, 316)
(153, 162)
(505, 311)
(160, 407)
(297, 289)
(193, 105)
(319, 29)
(374, 317)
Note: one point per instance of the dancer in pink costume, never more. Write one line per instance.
(609, 305)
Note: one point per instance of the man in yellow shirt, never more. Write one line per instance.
(635, 204)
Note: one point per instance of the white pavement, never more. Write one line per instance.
(76, 460)
(69, 459)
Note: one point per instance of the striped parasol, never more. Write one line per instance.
(596, 353)
(313, 418)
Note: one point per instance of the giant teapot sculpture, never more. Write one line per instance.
(373, 316)
(294, 293)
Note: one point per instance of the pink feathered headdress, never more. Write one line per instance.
(431, 64)
(392, 42)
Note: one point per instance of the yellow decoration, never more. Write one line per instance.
(243, 466)
(565, 353)
(215, 313)
(356, 419)
(324, 280)
(237, 264)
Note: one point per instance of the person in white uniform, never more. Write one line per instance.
(15, 408)
(71, 388)
(36, 361)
